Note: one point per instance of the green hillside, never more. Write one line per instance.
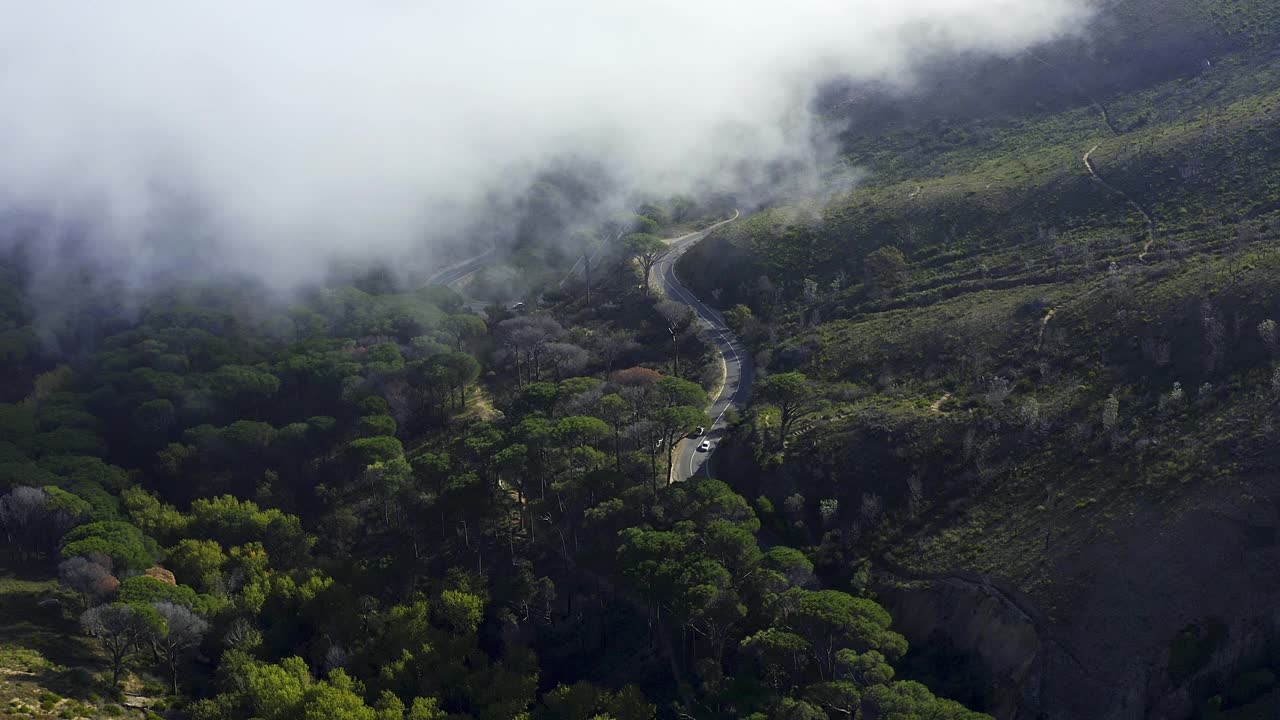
(1012, 449)
(1058, 379)
(376, 504)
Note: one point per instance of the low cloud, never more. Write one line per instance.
(275, 138)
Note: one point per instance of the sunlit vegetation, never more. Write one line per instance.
(230, 509)
(1011, 364)
(376, 501)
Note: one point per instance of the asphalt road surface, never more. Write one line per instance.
(736, 390)
(459, 271)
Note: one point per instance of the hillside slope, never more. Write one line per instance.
(1051, 382)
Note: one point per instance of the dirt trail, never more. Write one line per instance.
(1101, 106)
(1152, 229)
(937, 404)
(1044, 324)
(1152, 234)
(1053, 312)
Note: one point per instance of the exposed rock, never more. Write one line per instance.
(1002, 640)
(1107, 653)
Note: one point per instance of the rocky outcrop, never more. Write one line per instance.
(1109, 652)
(1001, 640)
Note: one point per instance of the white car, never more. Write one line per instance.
(705, 446)
(698, 432)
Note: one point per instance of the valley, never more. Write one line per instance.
(962, 406)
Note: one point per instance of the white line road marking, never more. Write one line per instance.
(678, 247)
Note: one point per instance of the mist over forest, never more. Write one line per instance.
(671, 360)
(157, 138)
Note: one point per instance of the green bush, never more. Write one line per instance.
(145, 590)
(153, 689)
(1250, 686)
(121, 541)
(1192, 648)
(80, 677)
(376, 425)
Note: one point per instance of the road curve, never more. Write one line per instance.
(459, 271)
(736, 390)
(738, 374)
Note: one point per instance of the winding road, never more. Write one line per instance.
(454, 275)
(459, 271)
(735, 391)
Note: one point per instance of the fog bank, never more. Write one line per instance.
(273, 138)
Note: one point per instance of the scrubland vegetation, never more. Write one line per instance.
(1033, 357)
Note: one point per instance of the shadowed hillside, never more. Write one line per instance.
(1044, 342)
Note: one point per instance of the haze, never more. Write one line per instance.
(274, 138)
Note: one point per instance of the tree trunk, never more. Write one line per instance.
(675, 349)
(653, 465)
(617, 449)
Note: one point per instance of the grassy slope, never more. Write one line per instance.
(47, 668)
(1000, 223)
(991, 322)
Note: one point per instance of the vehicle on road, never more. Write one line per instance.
(698, 432)
(705, 446)
(518, 306)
